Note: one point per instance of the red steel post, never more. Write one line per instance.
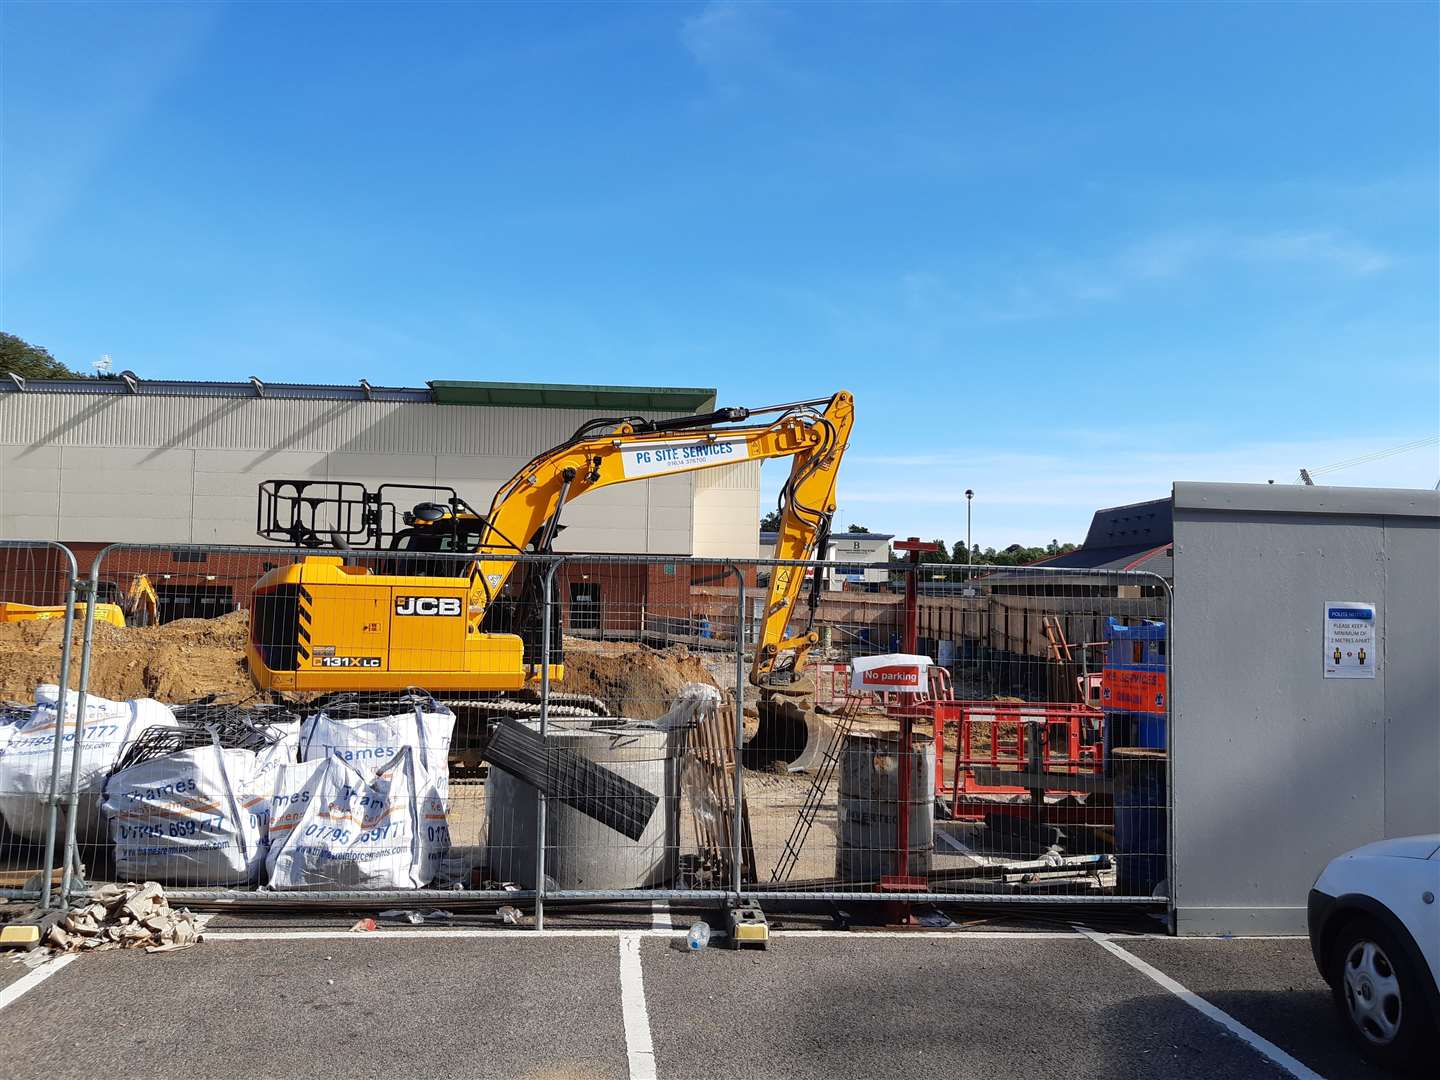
(914, 546)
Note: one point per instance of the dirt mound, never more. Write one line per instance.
(191, 658)
(634, 680)
(179, 661)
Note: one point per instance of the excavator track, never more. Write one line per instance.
(473, 716)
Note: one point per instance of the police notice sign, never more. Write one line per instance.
(1349, 640)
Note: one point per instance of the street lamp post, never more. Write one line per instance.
(969, 495)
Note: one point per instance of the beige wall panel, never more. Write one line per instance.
(29, 526)
(263, 464)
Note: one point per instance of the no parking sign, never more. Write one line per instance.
(893, 673)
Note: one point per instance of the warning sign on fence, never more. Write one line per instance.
(1134, 691)
(1349, 640)
(893, 673)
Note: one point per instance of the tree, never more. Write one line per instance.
(858, 528)
(31, 361)
(770, 522)
(1013, 555)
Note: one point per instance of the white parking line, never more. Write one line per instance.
(972, 935)
(21, 986)
(384, 935)
(1195, 1001)
(660, 920)
(638, 1046)
(858, 936)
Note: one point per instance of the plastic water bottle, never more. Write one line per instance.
(698, 937)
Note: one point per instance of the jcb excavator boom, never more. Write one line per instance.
(320, 624)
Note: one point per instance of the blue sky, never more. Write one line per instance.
(1063, 255)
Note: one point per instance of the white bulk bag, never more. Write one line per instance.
(369, 742)
(279, 796)
(179, 819)
(27, 757)
(354, 829)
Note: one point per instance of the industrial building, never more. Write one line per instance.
(863, 559)
(92, 462)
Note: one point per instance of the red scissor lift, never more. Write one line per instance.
(1031, 760)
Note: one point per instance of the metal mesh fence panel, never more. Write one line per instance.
(37, 709)
(660, 644)
(341, 724)
(1022, 753)
(315, 724)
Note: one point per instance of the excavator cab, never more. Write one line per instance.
(438, 527)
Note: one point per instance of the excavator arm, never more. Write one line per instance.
(323, 623)
(526, 511)
(141, 603)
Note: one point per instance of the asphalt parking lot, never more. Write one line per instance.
(631, 1004)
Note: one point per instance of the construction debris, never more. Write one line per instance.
(417, 918)
(127, 917)
(511, 916)
(709, 780)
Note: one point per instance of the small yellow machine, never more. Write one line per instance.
(105, 613)
(332, 622)
(139, 606)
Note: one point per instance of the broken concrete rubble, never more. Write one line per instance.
(126, 917)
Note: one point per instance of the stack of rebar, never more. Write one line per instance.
(365, 706)
(237, 727)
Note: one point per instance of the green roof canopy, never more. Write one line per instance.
(621, 399)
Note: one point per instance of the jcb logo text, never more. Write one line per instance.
(427, 605)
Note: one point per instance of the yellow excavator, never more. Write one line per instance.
(137, 606)
(358, 621)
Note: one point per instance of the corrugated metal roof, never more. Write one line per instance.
(186, 388)
(680, 399)
(1138, 525)
(1124, 557)
(672, 399)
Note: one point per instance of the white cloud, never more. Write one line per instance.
(1044, 287)
(734, 43)
(1173, 254)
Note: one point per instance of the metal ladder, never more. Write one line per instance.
(810, 809)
